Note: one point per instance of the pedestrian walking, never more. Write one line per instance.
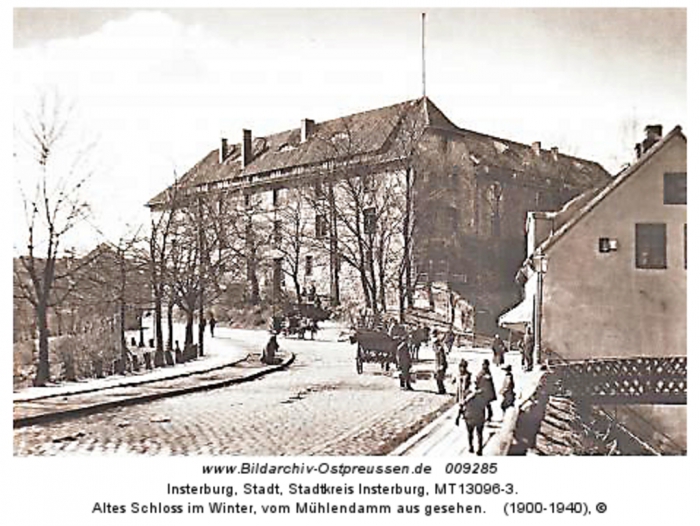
(484, 384)
(463, 384)
(212, 324)
(508, 389)
(474, 417)
(449, 340)
(404, 359)
(499, 350)
(528, 348)
(440, 363)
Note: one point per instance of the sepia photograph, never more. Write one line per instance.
(396, 232)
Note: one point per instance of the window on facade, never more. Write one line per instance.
(370, 220)
(246, 199)
(605, 244)
(675, 188)
(494, 196)
(650, 245)
(277, 232)
(309, 267)
(452, 219)
(275, 196)
(318, 190)
(321, 226)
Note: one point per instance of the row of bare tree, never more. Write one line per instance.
(201, 240)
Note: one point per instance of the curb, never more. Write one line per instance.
(447, 414)
(95, 408)
(136, 381)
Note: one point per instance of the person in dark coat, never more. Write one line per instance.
(508, 389)
(484, 384)
(440, 363)
(499, 350)
(463, 382)
(212, 324)
(473, 413)
(404, 359)
(449, 340)
(528, 349)
(268, 355)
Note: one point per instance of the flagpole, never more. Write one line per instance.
(423, 49)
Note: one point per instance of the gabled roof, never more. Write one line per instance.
(574, 212)
(372, 133)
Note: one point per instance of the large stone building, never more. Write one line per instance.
(389, 199)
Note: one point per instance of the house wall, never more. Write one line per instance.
(600, 305)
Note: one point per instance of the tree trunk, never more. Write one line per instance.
(407, 240)
(42, 369)
(202, 325)
(189, 329)
(333, 246)
(159, 358)
(171, 329)
(297, 287)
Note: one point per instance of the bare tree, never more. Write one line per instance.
(290, 231)
(211, 234)
(52, 209)
(360, 201)
(158, 257)
(412, 162)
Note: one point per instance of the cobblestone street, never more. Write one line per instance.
(319, 406)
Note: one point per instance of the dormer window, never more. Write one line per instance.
(286, 147)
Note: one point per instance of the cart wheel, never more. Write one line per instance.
(358, 363)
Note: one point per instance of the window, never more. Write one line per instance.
(275, 196)
(309, 265)
(277, 232)
(650, 245)
(321, 226)
(246, 199)
(452, 218)
(605, 244)
(318, 190)
(370, 219)
(675, 188)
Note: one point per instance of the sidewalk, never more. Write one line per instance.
(225, 362)
(444, 439)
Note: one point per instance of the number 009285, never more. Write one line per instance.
(471, 468)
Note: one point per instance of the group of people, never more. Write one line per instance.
(474, 395)
(407, 353)
(475, 399)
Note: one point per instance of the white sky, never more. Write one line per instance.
(159, 88)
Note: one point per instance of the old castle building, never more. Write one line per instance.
(370, 206)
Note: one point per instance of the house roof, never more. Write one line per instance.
(584, 204)
(373, 133)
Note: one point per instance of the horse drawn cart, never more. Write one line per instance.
(298, 319)
(374, 346)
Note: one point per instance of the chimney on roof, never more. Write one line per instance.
(246, 148)
(653, 134)
(555, 153)
(307, 129)
(223, 153)
(537, 147)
